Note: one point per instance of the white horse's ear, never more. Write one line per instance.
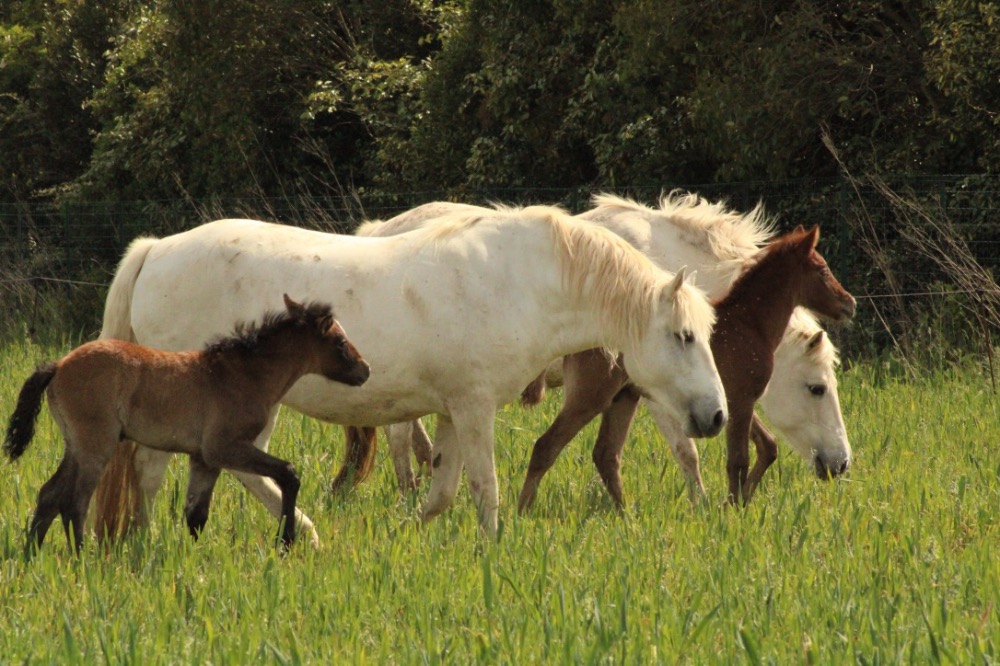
(294, 309)
(676, 283)
(815, 341)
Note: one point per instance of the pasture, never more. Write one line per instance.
(897, 562)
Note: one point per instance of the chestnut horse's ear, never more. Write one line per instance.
(814, 235)
(814, 341)
(294, 309)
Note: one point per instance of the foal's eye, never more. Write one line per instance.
(684, 337)
(818, 390)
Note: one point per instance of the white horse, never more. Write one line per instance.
(801, 400)
(454, 319)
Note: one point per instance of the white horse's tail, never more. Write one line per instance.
(117, 499)
(118, 306)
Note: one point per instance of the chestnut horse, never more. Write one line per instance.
(210, 404)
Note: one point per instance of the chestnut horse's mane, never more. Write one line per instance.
(246, 337)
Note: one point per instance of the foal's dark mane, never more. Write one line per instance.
(765, 257)
(247, 338)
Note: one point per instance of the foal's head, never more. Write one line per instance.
(332, 354)
(820, 292)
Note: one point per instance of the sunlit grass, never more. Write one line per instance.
(896, 563)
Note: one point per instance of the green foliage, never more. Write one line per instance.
(895, 563)
(138, 100)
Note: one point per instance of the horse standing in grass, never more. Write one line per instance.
(455, 319)
(752, 320)
(801, 398)
(210, 404)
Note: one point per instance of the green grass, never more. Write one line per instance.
(900, 562)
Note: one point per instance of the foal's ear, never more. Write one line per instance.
(294, 309)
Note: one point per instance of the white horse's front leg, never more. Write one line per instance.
(682, 446)
(474, 430)
(447, 466)
(267, 491)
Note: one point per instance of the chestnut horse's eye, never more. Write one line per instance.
(818, 390)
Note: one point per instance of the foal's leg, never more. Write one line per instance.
(201, 484)
(590, 384)
(607, 455)
(767, 453)
(89, 470)
(265, 489)
(447, 466)
(683, 447)
(54, 498)
(247, 458)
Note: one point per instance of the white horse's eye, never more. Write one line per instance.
(818, 390)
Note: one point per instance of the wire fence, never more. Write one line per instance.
(74, 247)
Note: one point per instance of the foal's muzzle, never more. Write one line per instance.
(358, 376)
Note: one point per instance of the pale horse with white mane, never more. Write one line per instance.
(801, 400)
(454, 319)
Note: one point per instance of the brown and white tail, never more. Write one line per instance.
(117, 500)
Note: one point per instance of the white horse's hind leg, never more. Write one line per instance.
(683, 448)
(150, 468)
(399, 436)
(267, 491)
(447, 466)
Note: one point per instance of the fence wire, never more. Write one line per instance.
(77, 245)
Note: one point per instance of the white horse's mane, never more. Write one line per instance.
(801, 328)
(728, 235)
(621, 281)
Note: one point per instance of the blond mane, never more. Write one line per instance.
(801, 328)
(597, 264)
(727, 235)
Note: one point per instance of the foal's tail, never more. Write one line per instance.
(21, 428)
(359, 456)
(117, 500)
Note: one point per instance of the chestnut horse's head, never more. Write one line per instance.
(821, 291)
(336, 357)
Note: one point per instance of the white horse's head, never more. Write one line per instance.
(801, 401)
(673, 363)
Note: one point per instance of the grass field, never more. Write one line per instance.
(900, 562)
